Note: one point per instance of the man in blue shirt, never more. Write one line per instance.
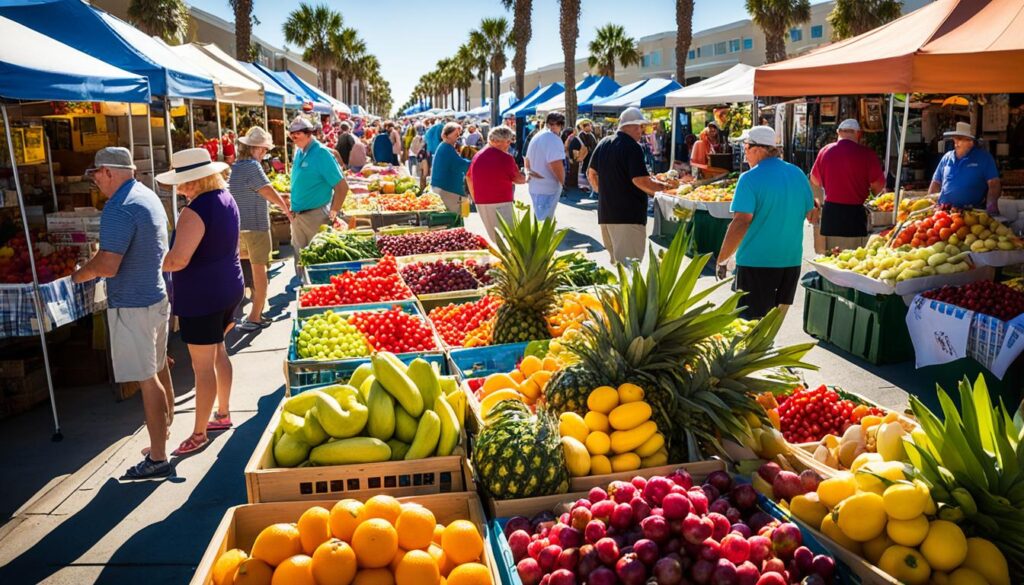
(133, 242)
(317, 182)
(967, 175)
(772, 200)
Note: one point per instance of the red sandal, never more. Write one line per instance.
(219, 423)
(196, 442)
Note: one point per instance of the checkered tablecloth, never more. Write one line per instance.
(63, 303)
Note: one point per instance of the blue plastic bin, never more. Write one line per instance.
(478, 362)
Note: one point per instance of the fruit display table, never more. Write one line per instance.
(708, 220)
(63, 302)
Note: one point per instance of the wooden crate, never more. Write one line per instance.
(267, 483)
(868, 573)
(241, 525)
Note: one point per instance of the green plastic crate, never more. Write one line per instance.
(708, 232)
(817, 312)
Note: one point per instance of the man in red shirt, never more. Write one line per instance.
(848, 172)
(492, 177)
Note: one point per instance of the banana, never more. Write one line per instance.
(397, 383)
(951, 513)
(423, 375)
(966, 501)
(449, 427)
(457, 400)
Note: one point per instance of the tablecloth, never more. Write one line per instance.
(63, 303)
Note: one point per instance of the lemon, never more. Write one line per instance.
(907, 532)
(862, 516)
(905, 564)
(985, 558)
(808, 508)
(863, 459)
(945, 547)
(867, 475)
(965, 576)
(939, 578)
(874, 548)
(905, 501)
(829, 529)
(836, 489)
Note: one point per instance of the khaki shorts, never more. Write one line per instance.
(138, 341)
(306, 225)
(257, 245)
(624, 241)
(489, 214)
(452, 201)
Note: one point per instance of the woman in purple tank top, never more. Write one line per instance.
(206, 283)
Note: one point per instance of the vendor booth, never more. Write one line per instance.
(36, 67)
(592, 88)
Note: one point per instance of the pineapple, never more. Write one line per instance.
(518, 454)
(526, 278)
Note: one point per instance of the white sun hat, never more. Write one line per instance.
(962, 129)
(190, 165)
(257, 137)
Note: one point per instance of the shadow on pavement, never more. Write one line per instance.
(177, 541)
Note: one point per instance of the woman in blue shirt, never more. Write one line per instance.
(967, 175)
(448, 176)
(383, 149)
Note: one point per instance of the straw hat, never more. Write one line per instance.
(257, 137)
(190, 165)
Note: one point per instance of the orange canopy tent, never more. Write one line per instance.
(948, 46)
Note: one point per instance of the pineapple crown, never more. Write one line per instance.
(528, 271)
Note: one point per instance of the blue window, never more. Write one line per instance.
(796, 34)
(748, 44)
(817, 31)
(691, 55)
(720, 48)
(734, 45)
(656, 58)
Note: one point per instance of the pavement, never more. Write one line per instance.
(70, 520)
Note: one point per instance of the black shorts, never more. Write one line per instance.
(207, 329)
(766, 288)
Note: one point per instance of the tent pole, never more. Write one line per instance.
(49, 167)
(888, 136)
(152, 154)
(899, 161)
(234, 121)
(216, 105)
(672, 156)
(36, 295)
(131, 132)
(170, 151)
(266, 117)
(191, 125)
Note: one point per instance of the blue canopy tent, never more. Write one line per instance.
(528, 107)
(656, 91)
(285, 81)
(505, 102)
(359, 111)
(598, 105)
(36, 67)
(291, 99)
(592, 88)
(420, 106)
(337, 105)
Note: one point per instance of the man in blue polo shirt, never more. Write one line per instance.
(767, 231)
(318, 186)
(967, 175)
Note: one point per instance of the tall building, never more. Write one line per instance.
(712, 51)
(205, 27)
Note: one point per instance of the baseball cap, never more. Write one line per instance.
(632, 116)
(301, 124)
(849, 124)
(112, 157)
(759, 136)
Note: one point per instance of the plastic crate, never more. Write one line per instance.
(322, 273)
(872, 327)
(478, 362)
(303, 312)
(708, 232)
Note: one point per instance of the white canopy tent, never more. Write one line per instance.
(230, 85)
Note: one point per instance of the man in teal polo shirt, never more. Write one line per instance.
(772, 200)
(967, 175)
(318, 185)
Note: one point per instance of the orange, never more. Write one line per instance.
(415, 528)
(436, 552)
(461, 542)
(224, 568)
(470, 574)
(375, 542)
(438, 531)
(334, 563)
(446, 564)
(374, 577)
(550, 364)
(276, 543)
(314, 528)
(417, 567)
(345, 518)
(398, 558)
(517, 376)
(253, 572)
(296, 570)
(385, 507)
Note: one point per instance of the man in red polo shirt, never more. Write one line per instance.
(492, 177)
(849, 173)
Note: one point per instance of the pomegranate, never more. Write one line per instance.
(630, 570)
(647, 551)
(681, 477)
(641, 509)
(655, 528)
(786, 539)
(722, 525)
(548, 557)
(747, 573)
(607, 551)
(595, 531)
(741, 529)
(518, 542)
(596, 495)
(697, 529)
(710, 492)
(602, 509)
(568, 559)
(639, 482)
(760, 549)
(771, 578)
(698, 501)
(569, 537)
(656, 489)
(710, 550)
(675, 506)
(580, 517)
(743, 496)
(529, 572)
(622, 516)
(602, 576)
(622, 492)
(721, 480)
(701, 572)
(562, 577)
(588, 561)
(735, 548)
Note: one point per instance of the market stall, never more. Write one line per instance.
(528, 105)
(651, 89)
(40, 68)
(733, 86)
(593, 87)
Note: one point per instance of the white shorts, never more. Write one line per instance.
(138, 341)
(624, 241)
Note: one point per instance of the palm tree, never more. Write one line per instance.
(463, 72)
(350, 51)
(243, 28)
(569, 31)
(369, 68)
(611, 44)
(167, 19)
(522, 11)
(684, 36)
(850, 18)
(494, 35)
(314, 28)
(775, 17)
(479, 61)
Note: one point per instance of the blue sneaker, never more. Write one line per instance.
(148, 469)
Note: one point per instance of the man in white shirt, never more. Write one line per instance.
(545, 166)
